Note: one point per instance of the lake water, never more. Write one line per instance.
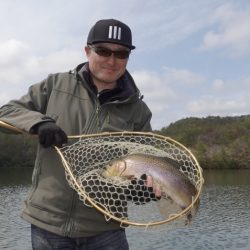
(223, 220)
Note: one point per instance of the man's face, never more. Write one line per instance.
(106, 69)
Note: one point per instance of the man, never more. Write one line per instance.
(96, 96)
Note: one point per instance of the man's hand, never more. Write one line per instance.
(50, 134)
(142, 190)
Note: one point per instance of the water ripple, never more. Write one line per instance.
(223, 222)
(14, 232)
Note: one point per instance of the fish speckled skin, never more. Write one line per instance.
(164, 171)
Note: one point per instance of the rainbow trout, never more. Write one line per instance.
(164, 171)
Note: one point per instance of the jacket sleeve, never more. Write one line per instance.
(30, 109)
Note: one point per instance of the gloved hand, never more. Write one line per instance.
(50, 134)
(115, 198)
(140, 193)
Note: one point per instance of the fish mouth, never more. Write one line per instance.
(122, 166)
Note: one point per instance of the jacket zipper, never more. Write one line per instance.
(94, 122)
(94, 119)
(97, 111)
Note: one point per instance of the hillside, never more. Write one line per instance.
(17, 150)
(216, 142)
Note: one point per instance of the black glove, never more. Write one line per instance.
(139, 193)
(50, 134)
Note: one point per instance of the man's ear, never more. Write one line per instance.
(87, 50)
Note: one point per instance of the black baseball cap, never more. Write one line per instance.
(110, 31)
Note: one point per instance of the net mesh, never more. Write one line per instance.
(85, 162)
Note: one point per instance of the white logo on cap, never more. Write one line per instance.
(115, 32)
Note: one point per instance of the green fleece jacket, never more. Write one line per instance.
(69, 100)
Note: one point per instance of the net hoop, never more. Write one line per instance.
(199, 183)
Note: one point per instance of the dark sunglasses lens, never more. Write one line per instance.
(120, 54)
(103, 51)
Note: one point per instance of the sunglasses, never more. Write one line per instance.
(105, 52)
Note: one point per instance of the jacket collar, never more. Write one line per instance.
(126, 87)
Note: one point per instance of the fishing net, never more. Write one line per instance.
(128, 202)
(120, 199)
